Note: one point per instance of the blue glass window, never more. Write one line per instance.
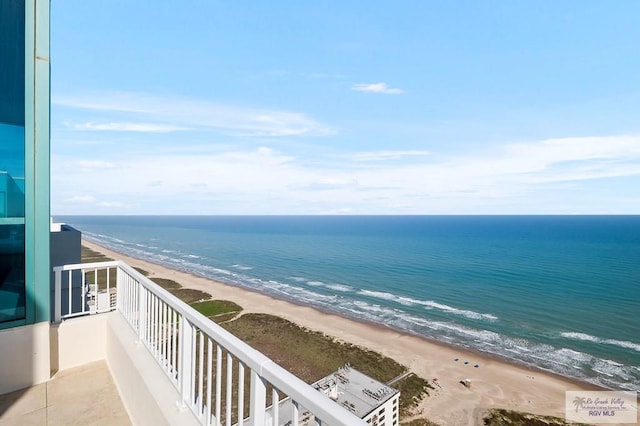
(12, 160)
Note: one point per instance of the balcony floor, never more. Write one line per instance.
(77, 396)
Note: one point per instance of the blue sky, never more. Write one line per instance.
(345, 107)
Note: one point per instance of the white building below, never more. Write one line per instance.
(372, 401)
(369, 399)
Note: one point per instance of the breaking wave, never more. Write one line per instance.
(429, 304)
(588, 338)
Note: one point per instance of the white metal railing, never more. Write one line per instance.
(220, 378)
(85, 288)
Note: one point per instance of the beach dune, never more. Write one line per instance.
(494, 383)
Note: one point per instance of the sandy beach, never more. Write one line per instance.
(495, 383)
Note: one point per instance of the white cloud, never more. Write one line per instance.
(81, 199)
(110, 204)
(376, 88)
(93, 165)
(387, 155)
(543, 176)
(332, 183)
(147, 112)
(126, 127)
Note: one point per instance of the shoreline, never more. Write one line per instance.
(496, 383)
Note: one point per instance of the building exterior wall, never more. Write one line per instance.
(12, 160)
(24, 229)
(66, 249)
(78, 342)
(37, 161)
(385, 415)
(24, 154)
(24, 352)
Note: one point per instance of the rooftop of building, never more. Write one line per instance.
(355, 391)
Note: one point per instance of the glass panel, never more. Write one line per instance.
(12, 160)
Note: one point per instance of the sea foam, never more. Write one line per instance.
(594, 339)
(407, 301)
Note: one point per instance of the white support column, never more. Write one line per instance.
(258, 401)
(120, 294)
(294, 412)
(275, 407)
(142, 314)
(186, 360)
(57, 310)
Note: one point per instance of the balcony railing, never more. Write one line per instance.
(221, 379)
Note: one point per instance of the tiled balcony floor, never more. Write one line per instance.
(78, 396)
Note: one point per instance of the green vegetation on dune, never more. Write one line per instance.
(166, 283)
(311, 355)
(413, 389)
(142, 271)
(91, 256)
(419, 422)
(190, 295)
(499, 417)
(187, 295)
(210, 308)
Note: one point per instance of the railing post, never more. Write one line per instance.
(186, 361)
(57, 310)
(142, 314)
(258, 401)
(120, 292)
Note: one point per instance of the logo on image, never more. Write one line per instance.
(601, 406)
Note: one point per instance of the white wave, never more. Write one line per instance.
(407, 301)
(242, 267)
(589, 338)
(298, 279)
(378, 294)
(372, 308)
(602, 372)
(414, 320)
(463, 312)
(340, 287)
(193, 256)
(611, 368)
(336, 287)
(482, 335)
(566, 353)
(295, 292)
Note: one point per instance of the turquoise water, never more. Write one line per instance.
(558, 292)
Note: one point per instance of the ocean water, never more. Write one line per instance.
(558, 292)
